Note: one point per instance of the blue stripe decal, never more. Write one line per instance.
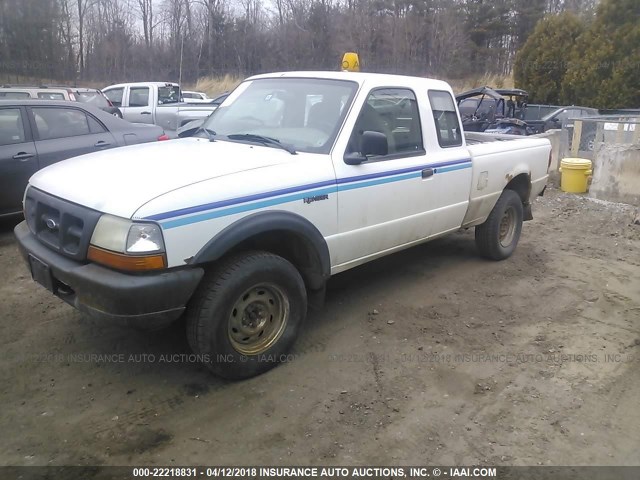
(298, 193)
(342, 188)
(244, 208)
(452, 168)
(404, 170)
(233, 201)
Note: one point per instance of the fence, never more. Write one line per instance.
(610, 129)
(612, 142)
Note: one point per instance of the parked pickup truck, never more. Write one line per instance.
(298, 177)
(156, 103)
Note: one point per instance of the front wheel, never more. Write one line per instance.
(498, 236)
(246, 314)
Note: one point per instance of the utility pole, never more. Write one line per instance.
(181, 50)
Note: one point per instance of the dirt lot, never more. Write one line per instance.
(431, 356)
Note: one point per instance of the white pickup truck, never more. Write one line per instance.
(297, 177)
(156, 103)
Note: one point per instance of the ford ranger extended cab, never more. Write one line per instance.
(296, 177)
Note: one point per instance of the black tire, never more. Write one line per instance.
(241, 295)
(494, 239)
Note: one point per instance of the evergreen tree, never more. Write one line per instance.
(542, 62)
(604, 71)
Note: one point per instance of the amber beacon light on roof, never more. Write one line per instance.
(350, 62)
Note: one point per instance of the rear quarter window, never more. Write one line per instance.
(168, 94)
(445, 118)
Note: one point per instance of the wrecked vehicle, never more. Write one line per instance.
(485, 109)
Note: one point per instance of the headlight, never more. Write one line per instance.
(126, 245)
(111, 233)
(144, 238)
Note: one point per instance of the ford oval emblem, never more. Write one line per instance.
(51, 224)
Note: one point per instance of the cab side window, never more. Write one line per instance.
(445, 118)
(50, 96)
(138, 96)
(115, 95)
(394, 112)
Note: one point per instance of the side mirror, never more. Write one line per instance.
(372, 143)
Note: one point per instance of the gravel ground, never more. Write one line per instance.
(430, 356)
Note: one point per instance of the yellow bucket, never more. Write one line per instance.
(576, 173)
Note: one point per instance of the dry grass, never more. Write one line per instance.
(214, 86)
(488, 79)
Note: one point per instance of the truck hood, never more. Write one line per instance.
(120, 181)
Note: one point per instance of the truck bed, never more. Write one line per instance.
(497, 159)
(474, 138)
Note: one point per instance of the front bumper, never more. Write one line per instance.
(149, 301)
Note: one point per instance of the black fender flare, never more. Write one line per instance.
(270, 221)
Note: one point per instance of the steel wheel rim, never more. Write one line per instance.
(507, 227)
(257, 319)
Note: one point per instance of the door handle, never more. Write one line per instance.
(23, 156)
(427, 172)
(101, 144)
(145, 113)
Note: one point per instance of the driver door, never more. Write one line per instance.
(385, 201)
(139, 109)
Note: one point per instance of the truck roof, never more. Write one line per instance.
(372, 79)
(34, 102)
(144, 84)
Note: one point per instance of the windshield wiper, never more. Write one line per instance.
(210, 133)
(251, 137)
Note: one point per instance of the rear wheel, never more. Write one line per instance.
(498, 236)
(247, 314)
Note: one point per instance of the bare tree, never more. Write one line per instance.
(146, 12)
(112, 40)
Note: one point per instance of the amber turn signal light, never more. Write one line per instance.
(131, 263)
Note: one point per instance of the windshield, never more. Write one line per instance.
(557, 112)
(168, 94)
(305, 113)
(94, 98)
